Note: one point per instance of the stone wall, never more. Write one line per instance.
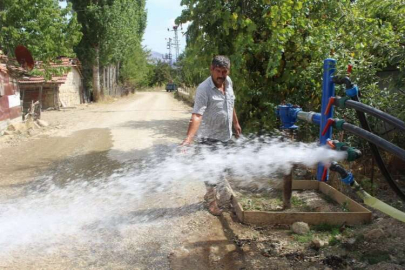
(187, 94)
(70, 91)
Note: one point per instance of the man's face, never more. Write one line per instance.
(218, 75)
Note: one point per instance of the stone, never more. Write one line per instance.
(224, 194)
(32, 132)
(11, 127)
(317, 244)
(300, 228)
(31, 125)
(374, 234)
(42, 123)
(351, 241)
(7, 132)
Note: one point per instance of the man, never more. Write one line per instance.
(214, 115)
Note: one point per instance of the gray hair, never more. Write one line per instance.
(221, 61)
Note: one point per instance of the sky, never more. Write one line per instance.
(161, 15)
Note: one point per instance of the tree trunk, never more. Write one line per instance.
(118, 72)
(105, 78)
(96, 76)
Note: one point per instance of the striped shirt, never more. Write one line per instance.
(216, 109)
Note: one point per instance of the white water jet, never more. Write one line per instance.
(52, 213)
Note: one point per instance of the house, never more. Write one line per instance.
(64, 90)
(10, 105)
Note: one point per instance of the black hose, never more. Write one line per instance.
(380, 142)
(377, 156)
(374, 149)
(377, 113)
(335, 167)
(343, 80)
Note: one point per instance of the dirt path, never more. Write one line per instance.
(85, 193)
(166, 230)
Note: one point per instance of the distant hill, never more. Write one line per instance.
(156, 56)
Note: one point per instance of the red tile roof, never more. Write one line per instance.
(62, 62)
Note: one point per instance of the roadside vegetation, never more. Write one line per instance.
(277, 50)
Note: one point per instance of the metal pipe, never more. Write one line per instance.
(328, 90)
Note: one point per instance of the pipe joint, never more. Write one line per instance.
(341, 102)
(346, 177)
(343, 80)
(352, 92)
(288, 113)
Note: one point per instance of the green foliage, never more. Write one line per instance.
(325, 227)
(306, 238)
(47, 30)
(161, 74)
(277, 49)
(136, 71)
(375, 257)
(115, 27)
(298, 202)
(112, 33)
(367, 185)
(48, 72)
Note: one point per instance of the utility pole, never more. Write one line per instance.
(169, 47)
(176, 42)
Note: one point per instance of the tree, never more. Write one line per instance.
(136, 71)
(111, 29)
(161, 74)
(277, 48)
(47, 30)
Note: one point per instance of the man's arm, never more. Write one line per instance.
(195, 122)
(236, 126)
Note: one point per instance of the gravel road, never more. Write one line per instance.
(68, 199)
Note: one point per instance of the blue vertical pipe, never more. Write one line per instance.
(328, 90)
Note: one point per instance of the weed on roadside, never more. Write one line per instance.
(306, 238)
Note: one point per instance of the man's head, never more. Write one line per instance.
(220, 69)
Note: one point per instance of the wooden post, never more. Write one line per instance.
(96, 76)
(288, 180)
(40, 101)
(287, 191)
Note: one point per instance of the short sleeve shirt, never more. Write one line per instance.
(216, 109)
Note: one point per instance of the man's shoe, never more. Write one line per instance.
(211, 195)
(214, 209)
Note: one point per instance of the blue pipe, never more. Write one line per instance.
(316, 119)
(328, 90)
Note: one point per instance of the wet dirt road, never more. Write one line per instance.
(68, 200)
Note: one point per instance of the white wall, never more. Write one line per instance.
(69, 92)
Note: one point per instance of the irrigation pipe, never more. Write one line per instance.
(358, 106)
(376, 153)
(379, 205)
(376, 140)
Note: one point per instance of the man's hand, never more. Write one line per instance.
(236, 126)
(238, 130)
(186, 142)
(192, 130)
(183, 146)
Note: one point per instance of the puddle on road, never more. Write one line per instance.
(92, 201)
